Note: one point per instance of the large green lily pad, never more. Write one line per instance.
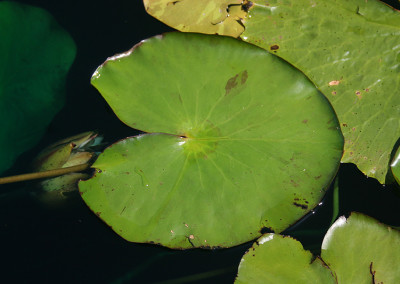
(241, 142)
(349, 49)
(35, 56)
(357, 250)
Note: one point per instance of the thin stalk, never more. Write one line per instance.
(335, 212)
(44, 174)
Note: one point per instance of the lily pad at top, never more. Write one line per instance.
(35, 56)
(355, 250)
(350, 49)
(241, 141)
(214, 17)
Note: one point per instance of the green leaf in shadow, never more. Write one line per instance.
(35, 56)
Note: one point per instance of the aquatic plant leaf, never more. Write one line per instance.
(281, 259)
(212, 17)
(361, 250)
(242, 136)
(395, 166)
(356, 250)
(35, 55)
(351, 51)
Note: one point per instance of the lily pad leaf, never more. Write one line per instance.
(237, 133)
(214, 17)
(361, 250)
(35, 55)
(281, 259)
(351, 51)
(355, 250)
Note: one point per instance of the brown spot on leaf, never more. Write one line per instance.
(247, 5)
(344, 124)
(334, 93)
(274, 47)
(305, 121)
(317, 177)
(302, 206)
(234, 81)
(244, 77)
(98, 214)
(295, 184)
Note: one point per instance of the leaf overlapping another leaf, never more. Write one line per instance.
(351, 52)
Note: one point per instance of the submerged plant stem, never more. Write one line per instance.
(335, 212)
(44, 174)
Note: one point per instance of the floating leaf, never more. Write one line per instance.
(214, 17)
(280, 259)
(242, 141)
(356, 250)
(35, 56)
(351, 51)
(361, 250)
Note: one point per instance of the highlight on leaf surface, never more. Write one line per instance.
(355, 250)
(35, 55)
(349, 49)
(233, 132)
(395, 166)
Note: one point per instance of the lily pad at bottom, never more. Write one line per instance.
(355, 250)
(280, 259)
(361, 250)
(241, 142)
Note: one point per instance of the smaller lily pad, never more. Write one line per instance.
(355, 250)
(361, 250)
(280, 259)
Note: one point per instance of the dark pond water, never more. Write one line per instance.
(70, 244)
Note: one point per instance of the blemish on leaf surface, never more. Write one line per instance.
(274, 47)
(334, 83)
(234, 81)
(302, 206)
